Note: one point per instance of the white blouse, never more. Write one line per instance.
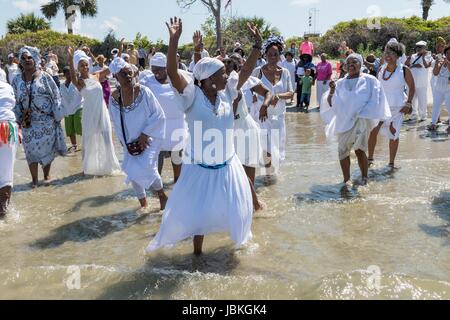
(7, 102)
(366, 100)
(211, 128)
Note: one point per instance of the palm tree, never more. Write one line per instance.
(88, 8)
(27, 23)
(426, 6)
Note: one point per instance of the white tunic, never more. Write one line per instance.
(421, 75)
(146, 116)
(8, 150)
(176, 131)
(366, 100)
(71, 99)
(208, 200)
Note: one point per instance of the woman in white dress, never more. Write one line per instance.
(176, 131)
(9, 139)
(139, 124)
(278, 81)
(99, 158)
(247, 132)
(441, 88)
(351, 109)
(213, 193)
(395, 79)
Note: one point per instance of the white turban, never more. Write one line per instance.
(355, 56)
(117, 65)
(159, 60)
(206, 67)
(33, 52)
(79, 56)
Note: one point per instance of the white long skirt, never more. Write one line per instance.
(7, 158)
(247, 142)
(206, 201)
(397, 122)
(99, 157)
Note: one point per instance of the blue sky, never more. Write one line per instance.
(290, 16)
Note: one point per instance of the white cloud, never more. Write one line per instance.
(29, 5)
(304, 3)
(112, 23)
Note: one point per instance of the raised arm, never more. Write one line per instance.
(198, 46)
(121, 47)
(175, 29)
(250, 64)
(78, 83)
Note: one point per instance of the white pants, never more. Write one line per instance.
(420, 103)
(438, 99)
(140, 191)
(321, 89)
(7, 158)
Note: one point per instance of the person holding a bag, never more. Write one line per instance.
(139, 123)
(39, 111)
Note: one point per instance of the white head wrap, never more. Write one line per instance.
(206, 67)
(355, 56)
(79, 56)
(159, 60)
(393, 40)
(11, 55)
(33, 52)
(117, 65)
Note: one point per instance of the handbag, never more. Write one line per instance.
(133, 148)
(26, 121)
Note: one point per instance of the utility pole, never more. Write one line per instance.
(313, 20)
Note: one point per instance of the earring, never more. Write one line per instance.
(214, 86)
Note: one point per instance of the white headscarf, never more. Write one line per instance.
(33, 52)
(159, 60)
(117, 65)
(355, 56)
(79, 56)
(206, 67)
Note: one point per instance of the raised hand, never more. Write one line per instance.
(332, 86)
(70, 51)
(175, 28)
(255, 33)
(198, 40)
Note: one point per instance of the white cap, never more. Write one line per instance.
(421, 44)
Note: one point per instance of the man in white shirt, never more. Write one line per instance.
(420, 64)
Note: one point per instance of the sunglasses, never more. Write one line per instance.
(27, 58)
